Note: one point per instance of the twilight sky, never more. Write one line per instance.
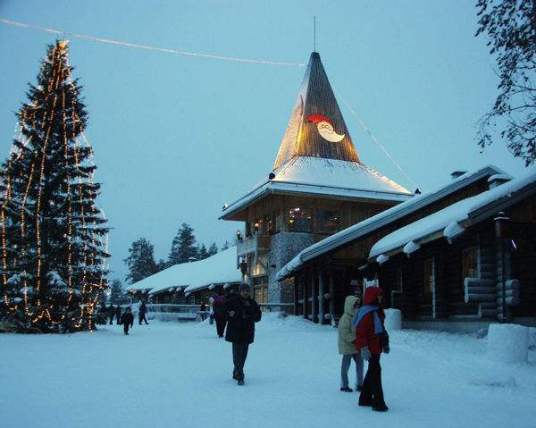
(175, 137)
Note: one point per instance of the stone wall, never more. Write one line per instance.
(284, 247)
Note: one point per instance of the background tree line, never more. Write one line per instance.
(141, 262)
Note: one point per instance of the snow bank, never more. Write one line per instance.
(393, 319)
(508, 343)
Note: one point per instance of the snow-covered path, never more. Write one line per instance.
(179, 375)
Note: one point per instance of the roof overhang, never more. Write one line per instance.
(300, 189)
(480, 208)
(364, 228)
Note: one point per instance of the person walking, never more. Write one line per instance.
(111, 313)
(127, 320)
(372, 339)
(118, 314)
(346, 344)
(203, 311)
(211, 309)
(242, 314)
(142, 312)
(219, 313)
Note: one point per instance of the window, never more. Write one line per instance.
(268, 224)
(429, 277)
(260, 289)
(279, 222)
(299, 220)
(470, 263)
(328, 221)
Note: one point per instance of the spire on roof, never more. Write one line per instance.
(316, 126)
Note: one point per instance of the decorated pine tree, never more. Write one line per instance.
(53, 235)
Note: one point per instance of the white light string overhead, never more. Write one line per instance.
(149, 47)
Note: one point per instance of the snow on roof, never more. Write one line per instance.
(450, 221)
(385, 217)
(220, 268)
(330, 177)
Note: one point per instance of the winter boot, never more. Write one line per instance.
(346, 389)
(380, 408)
(240, 382)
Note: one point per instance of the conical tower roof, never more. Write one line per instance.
(316, 127)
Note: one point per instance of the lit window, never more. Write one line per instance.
(299, 220)
(328, 221)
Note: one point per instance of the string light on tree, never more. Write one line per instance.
(53, 239)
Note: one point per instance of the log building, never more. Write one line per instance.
(465, 252)
(318, 186)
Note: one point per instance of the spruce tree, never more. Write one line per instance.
(53, 235)
(202, 252)
(183, 247)
(213, 249)
(140, 260)
(116, 292)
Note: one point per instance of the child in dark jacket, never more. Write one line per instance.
(127, 320)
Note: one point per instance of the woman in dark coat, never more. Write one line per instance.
(118, 314)
(127, 320)
(219, 312)
(242, 314)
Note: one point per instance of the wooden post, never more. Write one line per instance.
(314, 297)
(321, 297)
(296, 285)
(331, 297)
(305, 294)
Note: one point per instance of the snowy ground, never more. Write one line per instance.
(179, 375)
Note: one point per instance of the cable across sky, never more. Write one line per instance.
(63, 33)
(120, 43)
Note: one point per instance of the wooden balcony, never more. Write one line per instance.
(253, 244)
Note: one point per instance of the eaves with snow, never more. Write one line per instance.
(368, 226)
(327, 177)
(220, 268)
(452, 221)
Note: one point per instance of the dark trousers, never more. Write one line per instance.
(240, 353)
(220, 325)
(111, 319)
(372, 392)
(142, 318)
(126, 326)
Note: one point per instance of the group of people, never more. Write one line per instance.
(126, 318)
(235, 316)
(362, 336)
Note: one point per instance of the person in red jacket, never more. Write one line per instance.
(371, 340)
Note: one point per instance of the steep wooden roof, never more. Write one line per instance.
(316, 127)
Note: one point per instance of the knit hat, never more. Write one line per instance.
(243, 286)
